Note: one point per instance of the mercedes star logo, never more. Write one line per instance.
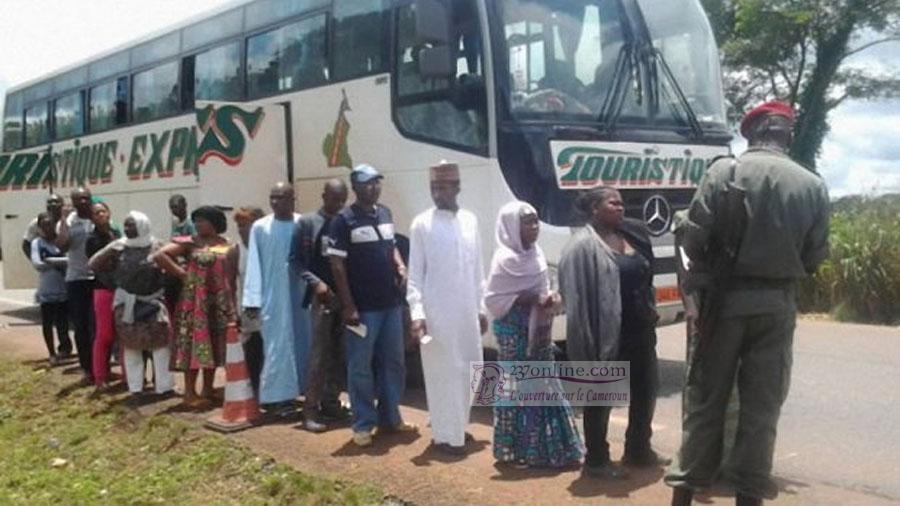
(657, 215)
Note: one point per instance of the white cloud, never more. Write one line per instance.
(871, 177)
(881, 57)
(40, 36)
(862, 152)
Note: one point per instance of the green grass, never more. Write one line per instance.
(860, 280)
(115, 456)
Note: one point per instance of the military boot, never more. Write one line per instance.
(746, 500)
(682, 496)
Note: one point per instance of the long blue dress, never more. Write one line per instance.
(274, 286)
(539, 436)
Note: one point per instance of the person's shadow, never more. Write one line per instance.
(507, 471)
(31, 315)
(723, 489)
(585, 486)
(432, 454)
(671, 377)
(381, 445)
(72, 387)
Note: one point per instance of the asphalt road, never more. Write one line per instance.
(840, 425)
(838, 440)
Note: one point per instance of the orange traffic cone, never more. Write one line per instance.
(240, 409)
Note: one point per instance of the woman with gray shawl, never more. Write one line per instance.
(606, 279)
(141, 318)
(519, 299)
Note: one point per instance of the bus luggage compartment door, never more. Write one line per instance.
(254, 156)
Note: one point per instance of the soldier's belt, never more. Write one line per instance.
(751, 283)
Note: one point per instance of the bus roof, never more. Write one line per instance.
(132, 43)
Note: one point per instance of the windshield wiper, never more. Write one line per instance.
(621, 79)
(655, 55)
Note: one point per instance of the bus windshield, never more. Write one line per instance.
(566, 58)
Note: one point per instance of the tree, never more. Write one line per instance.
(799, 51)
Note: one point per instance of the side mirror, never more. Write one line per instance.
(432, 22)
(436, 63)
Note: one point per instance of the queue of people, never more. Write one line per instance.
(320, 302)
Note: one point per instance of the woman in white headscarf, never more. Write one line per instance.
(518, 297)
(141, 318)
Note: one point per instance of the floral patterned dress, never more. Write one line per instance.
(539, 436)
(204, 309)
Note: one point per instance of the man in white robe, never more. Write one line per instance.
(274, 290)
(445, 294)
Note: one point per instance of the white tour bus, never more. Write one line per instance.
(535, 99)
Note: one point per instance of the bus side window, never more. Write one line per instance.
(359, 42)
(68, 115)
(104, 108)
(264, 12)
(37, 124)
(12, 122)
(289, 58)
(121, 103)
(188, 82)
(156, 92)
(214, 74)
(442, 111)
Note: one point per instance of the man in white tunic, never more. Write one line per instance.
(444, 294)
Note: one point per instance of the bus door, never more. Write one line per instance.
(15, 215)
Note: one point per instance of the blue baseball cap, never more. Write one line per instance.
(364, 174)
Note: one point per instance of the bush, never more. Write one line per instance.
(860, 281)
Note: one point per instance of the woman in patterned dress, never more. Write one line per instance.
(518, 296)
(206, 306)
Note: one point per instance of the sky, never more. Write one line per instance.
(862, 152)
(860, 155)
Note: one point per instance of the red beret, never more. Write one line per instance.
(774, 108)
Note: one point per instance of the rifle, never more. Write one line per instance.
(731, 215)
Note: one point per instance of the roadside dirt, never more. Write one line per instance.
(405, 466)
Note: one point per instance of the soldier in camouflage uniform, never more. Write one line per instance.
(785, 239)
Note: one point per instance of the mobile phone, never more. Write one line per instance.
(361, 330)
